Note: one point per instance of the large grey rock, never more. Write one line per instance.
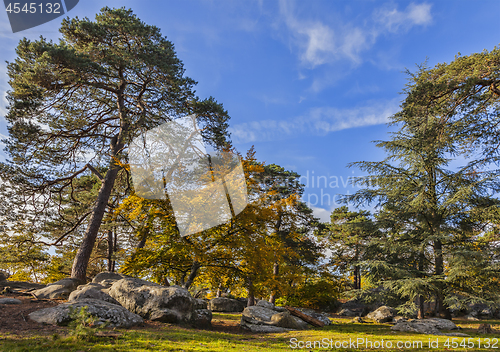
(286, 320)
(263, 328)
(256, 315)
(107, 278)
(269, 305)
(153, 301)
(115, 315)
(9, 301)
(58, 290)
(486, 313)
(382, 314)
(265, 304)
(354, 308)
(442, 324)
(348, 313)
(200, 304)
(224, 304)
(426, 326)
(202, 318)
(93, 291)
(485, 329)
(318, 316)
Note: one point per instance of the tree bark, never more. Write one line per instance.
(144, 232)
(276, 272)
(80, 264)
(110, 250)
(441, 309)
(421, 310)
(251, 297)
(115, 246)
(192, 275)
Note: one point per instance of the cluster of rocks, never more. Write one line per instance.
(476, 312)
(431, 326)
(266, 317)
(122, 301)
(227, 305)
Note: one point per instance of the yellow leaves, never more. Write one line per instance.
(121, 164)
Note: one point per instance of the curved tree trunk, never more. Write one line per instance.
(80, 264)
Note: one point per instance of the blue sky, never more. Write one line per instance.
(310, 84)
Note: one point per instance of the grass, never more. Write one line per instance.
(173, 338)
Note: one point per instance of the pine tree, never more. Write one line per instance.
(86, 97)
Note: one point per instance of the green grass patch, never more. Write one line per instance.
(226, 316)
(173, 338)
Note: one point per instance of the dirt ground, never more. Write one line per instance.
(14, 319)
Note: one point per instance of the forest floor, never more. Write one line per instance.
(18, 333)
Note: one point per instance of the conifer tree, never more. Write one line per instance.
(426, 207)
(76, 105)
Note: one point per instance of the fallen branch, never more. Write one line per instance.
(305, 317)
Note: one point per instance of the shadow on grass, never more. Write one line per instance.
(173, 338)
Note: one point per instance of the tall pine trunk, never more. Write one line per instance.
(81, 262)
(110, 250)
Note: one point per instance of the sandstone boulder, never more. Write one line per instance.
(347, 313)
(153, 301)
(58, 290)
(319, 316)
(200, 304)
(9, 301)
(382, 314)
(485, 329)
(426, 326)
(107, 278)
(202, 318)
(105, 312)
(269, 305)
(286, 320)
(224, 304)
(256, 315)
(93, 291)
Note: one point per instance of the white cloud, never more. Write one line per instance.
(321, 43)
(324, 120)
(318, 42)
(322, 214)
(318, 121)
(414, 14)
